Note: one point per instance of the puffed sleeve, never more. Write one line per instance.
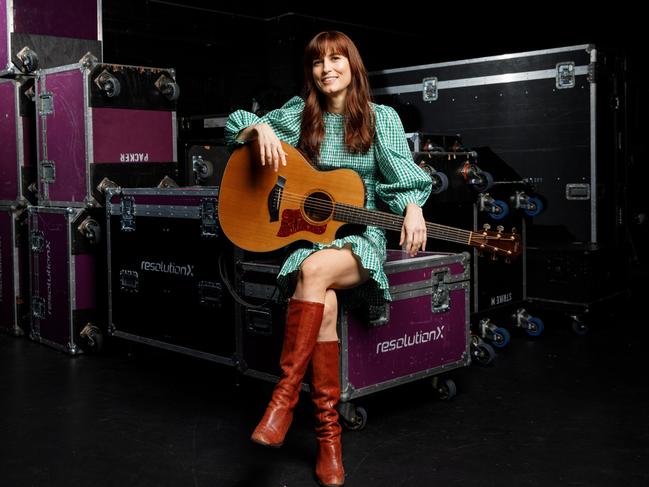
(284, 121)
(403, 181)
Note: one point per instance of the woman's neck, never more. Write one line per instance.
(336, 103)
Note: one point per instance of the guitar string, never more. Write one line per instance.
(393, 222)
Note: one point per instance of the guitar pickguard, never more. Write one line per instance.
(293, 222)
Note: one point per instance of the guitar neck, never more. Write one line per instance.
(390, 221)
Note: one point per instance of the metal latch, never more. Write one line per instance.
(565, 75)
(577, 191)
(129, 281)
(440, 296)
(46, 104)
(209, 219)
(429, 91)
(37, 241)
(210, 293)
(127, 210)
(38, 307)
(378, 315)
(259, 322)
(48, 171)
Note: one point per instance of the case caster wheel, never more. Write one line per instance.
(500, 337)
(499, 211)
(445, 388)
(480, 180)
(535, 206)
(579, 326)
(440, 182)
(354, 418)
(534, 327)
(482, 353)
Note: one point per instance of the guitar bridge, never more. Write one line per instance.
(275, 198)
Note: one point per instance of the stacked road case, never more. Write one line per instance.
(103, 125)
(37, 34)
(556, 116)
(66, 258)
(34, 34)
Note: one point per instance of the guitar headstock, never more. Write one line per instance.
(498, 243)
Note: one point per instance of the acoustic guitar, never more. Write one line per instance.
(262, 210)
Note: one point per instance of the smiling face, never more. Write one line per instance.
(332, 74)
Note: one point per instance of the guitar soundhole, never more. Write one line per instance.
(318, 206)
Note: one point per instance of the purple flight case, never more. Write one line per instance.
(17, 149)
(103, 125)
(66, 275)
(422, 332)
(36, 34)
(13, 271)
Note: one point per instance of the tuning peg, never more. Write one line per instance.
(500, 228)
(486, 226)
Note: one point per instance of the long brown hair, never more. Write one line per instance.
(359, 118)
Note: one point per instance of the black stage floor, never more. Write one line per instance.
(558, 410)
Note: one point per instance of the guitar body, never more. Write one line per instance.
(262, 210)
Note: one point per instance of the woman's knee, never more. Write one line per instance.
(311, 273)
(310, 268)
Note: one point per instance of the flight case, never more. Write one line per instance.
(165, 257)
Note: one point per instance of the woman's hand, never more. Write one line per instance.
(270, 147)
(413, 232)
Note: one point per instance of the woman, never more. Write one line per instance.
(335, 125)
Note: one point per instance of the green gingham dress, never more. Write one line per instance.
(387, 169)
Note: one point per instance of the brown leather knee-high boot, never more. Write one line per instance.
(303, 320)
(325, 394)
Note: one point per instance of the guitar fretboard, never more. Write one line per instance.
(390, 221)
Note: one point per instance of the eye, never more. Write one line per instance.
(317, 62)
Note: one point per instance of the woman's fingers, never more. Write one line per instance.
(271, 151)
(413, 240)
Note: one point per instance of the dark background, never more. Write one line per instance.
(227, 52)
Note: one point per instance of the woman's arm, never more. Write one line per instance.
(405, 186)
(281, 124)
